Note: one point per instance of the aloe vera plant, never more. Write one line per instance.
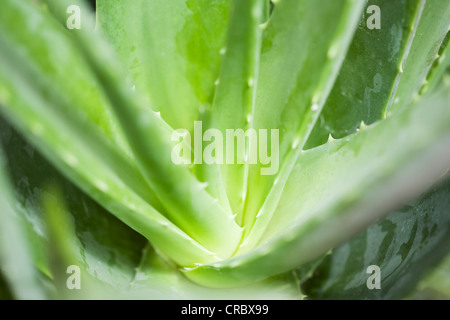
(352, 97)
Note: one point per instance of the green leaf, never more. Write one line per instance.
(171, 50)
(110, 150)
(367, 80)
(64, 252)
(436, 283)
(440, 65)
(423, 53)
(345, 186)
(343, 169)
(15, 249)
(105, 186)
(110, 252)
(54, 56)
(187, 202)
(404, 245)
(158, 279)
(294, 84)
(233, 102)
(75, 148)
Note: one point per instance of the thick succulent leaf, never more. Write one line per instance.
(233, 101)
(404, 245)
(158, 279)
(75, 149)
(375, 156)
(440, 65)
(62, 103)
(53, 136)
(171, 50)
(345, 185)
(423, 53)
(367, 79)
(294, 83)
(54, 56)
(436, 283)
(63, 247)
(60, 82)
(16, 262)
(109, 252)
(187, 202)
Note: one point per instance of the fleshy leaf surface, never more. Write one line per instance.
(346, 185)
(404, 245)
(171, 50)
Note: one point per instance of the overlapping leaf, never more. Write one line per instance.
(218, 62)
(403, 245)
(345, 186)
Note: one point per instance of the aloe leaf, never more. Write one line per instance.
(293, 86)
(368, 78)
(171, 50)
(54, 56)
(111, 150)
(187, 203)
(105, 186)
(436, 283)
(233, 101)
(424, 52)
(440, 65)
(80, 88)
(63, 249)
(67, 254)
(76, 150)
(110, 252)
(19, 182)
(346, 185)
(118, 199)
(372, 157)
(157, 278)
(15, 250)
(405, 246)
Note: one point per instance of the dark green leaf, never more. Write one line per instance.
(404, 245)
(110, 251)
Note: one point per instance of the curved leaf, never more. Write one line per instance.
(424, 51)
(367, 79)
(159, 279)
(188, 205)
(15, 246)
(404, 245)
(76, 149)
(293, 86)
(345, 186)
(171, 50)
(109, 252)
